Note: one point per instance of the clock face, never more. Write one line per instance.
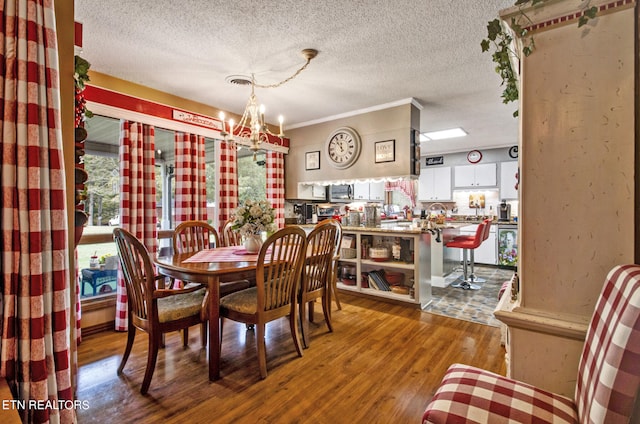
(474, 156)
(343, 147)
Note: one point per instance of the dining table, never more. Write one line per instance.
(207, 267)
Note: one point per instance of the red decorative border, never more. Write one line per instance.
(577, 15)
(123, 101)
(77, 34)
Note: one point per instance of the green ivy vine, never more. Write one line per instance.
(81, 76)
(502, 41)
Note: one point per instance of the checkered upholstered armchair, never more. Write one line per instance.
(608, 380)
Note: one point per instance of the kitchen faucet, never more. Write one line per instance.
(443, 207)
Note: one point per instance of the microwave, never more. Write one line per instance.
(341, 193)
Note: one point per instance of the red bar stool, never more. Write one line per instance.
(472, 276)
(469, 243)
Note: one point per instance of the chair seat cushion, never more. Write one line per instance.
(180, 306)
(472, 395)
(244, 301)
(464, 243)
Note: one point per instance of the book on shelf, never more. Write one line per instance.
(377, 280)
(372, 283)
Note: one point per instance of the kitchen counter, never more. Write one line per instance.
(389, 228)
(440, 260)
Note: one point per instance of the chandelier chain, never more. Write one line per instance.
(284, 81)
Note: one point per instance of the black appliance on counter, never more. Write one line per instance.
(341, 193)
(306, 213)
(504, 211)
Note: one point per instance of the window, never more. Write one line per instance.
(102, 201)
(101, 204)
(252, 176)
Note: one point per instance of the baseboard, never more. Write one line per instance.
(99, 328)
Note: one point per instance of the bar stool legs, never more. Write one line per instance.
(472, 276)
(467, 282)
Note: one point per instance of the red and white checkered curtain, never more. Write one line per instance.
(227, 194)
(191, 178)
(408, 188)
(35, 340)
(275, 184)
(137, 197)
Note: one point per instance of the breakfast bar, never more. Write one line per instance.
(410, 258)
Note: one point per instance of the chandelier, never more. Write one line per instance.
(252, 129)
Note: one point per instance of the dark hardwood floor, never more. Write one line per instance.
(381, 364)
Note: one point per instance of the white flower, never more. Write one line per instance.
(254, 217)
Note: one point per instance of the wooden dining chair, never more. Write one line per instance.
(317, 274)
(336, 257)
(230, 237)
(152, 310)
(194, 236)
(278, 274)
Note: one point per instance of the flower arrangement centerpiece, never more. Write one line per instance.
(251, 218)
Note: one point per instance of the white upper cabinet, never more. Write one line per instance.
(435, 184)
(481, 175)
(311, 192)
(376, 191)
(368, 191)
(508, 180)
(361, 191)
(319, 192)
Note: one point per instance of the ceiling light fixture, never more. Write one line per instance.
(252, 130)
(444, 134)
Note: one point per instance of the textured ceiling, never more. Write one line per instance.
(372, 52)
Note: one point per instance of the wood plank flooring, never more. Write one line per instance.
(382, 364)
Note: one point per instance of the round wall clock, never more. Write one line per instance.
(474, 156)
(343, 147)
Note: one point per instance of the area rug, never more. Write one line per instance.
(471, 305)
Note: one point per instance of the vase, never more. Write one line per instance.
(253, 243)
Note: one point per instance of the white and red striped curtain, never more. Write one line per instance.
(137, 197)
(275, 184)
(191, 178)
(227, 193)
(408, 188)
(35, 340)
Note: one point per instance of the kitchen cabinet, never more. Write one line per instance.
(376, 192)
(311, 192)
(319, 192)
(481, 175)
(369, 191)
(435, 184)
(361, 191)
(486, 253)
(413, 269)
(508, 180)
